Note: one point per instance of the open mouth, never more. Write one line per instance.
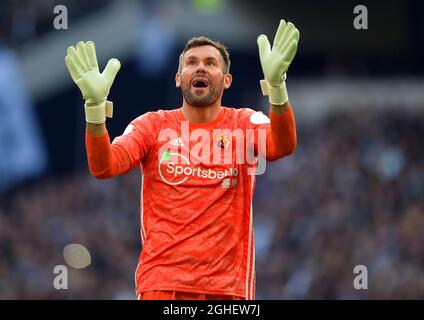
(199, 82)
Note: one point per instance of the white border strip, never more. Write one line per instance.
(249, 290)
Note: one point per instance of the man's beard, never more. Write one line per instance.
(204, 99)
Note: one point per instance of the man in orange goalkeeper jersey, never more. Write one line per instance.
(197, 177)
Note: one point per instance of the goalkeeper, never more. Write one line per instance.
(196, 221)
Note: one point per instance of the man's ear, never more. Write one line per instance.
(178, 80)
(228, 79)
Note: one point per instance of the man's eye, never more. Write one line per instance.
(191, 62)
(210, 63)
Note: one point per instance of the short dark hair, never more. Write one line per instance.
(204, 41)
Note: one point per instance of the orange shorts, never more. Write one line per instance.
(179, 295)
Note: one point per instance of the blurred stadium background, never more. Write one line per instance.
(352, 194)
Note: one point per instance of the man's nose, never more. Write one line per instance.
(201, 67)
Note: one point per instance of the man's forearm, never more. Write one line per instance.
(99, 151)
(96, 130)
(279, 109)
(281, 134)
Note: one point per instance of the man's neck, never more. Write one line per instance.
(201, 114)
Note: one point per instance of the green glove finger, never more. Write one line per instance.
(90, 49)
(280, 32)
(73, 68)
(111, 70)
(290, 52)
(264, 46)
(82, 55)
(287, 32)
(74, 55)
(294, 36)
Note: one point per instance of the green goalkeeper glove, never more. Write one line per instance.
(276, 61)
(95, 86)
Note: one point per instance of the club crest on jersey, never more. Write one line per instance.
(223, 142)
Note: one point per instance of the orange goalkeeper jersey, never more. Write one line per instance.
(196, 194)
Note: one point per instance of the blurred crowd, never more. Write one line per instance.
(38, 220)
(352, 194)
